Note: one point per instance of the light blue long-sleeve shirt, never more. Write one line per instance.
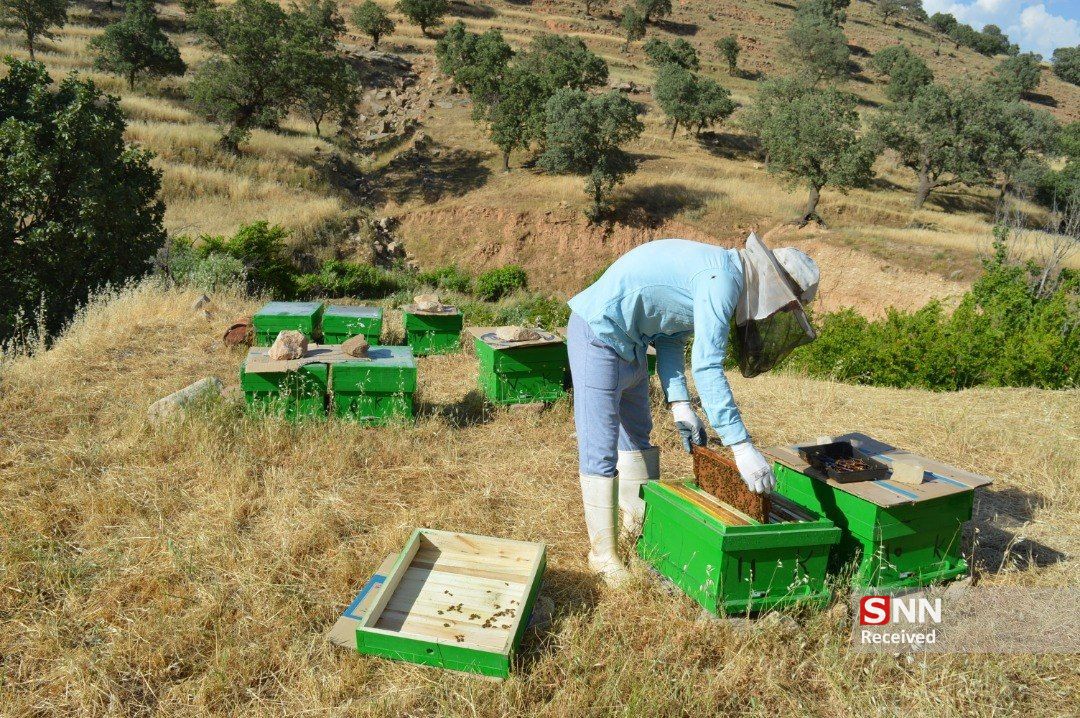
(660, 293)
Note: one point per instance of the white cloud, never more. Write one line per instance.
(1043, 32)
(1026, 22)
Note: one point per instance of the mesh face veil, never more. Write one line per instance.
(769, 319)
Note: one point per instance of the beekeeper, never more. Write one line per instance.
(661, 293)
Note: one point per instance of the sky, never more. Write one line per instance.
(1035, 25)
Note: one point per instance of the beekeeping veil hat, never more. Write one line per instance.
(770, 320)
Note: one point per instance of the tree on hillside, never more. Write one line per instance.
(373, 21)
(78, 205)
(889, 8)
(906, 72)
(331, 90)
(632, 24)
(266, 60)
(33, 18)
(1018, 137)
(1067, 64)
(516, 115)
(1018, 75)
(584, 134)
(136, 44)
(690, 100)
(564, 61)
(674, 91)
(679, 52)
(992, 41)
(833, 11)
(817, 48)
(652, 9)
(943, 22)
(424, 13)
(477, 63)
(944, 134)
(729, 48)
(812, 137)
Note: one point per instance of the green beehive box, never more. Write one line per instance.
(534, 371)
(340, 323)
(294, 394)
(277, 316)
(377, 390)
(455, 601)
(893, 535)
(433, 332)
(728, 562)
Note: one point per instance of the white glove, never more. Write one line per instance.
(754, 468)
(690, 426)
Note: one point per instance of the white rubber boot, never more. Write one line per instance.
(599, 495)
(635, 468)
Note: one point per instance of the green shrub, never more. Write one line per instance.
(450, 278)
(210, 273)
(262, 250)
(528, 310)
(1010, 329)
(347, 279)
(497, 283)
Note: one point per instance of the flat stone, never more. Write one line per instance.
(516, 334)
(290, 344)
(356, 346)
(173, 405)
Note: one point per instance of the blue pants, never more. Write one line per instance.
(611, 401)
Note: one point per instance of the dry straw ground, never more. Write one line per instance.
(194, 570)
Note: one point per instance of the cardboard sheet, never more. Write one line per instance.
(487, 335)
(259, 362)
(939, 480)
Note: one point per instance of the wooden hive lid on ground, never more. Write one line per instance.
(455, 600)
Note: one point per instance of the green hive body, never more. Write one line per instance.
(735, 569)
(294, 395)
(891, 547)
(378, 390)
(522, 375)
(277, 316)
(340, 323)
(433, 333)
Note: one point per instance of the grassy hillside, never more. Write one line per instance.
(196, 569)
(455, 205)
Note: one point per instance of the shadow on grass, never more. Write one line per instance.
(472, 410)
(955, 202)
(430, 173)
(1040, 99)
(649, 207)
(997, 527)
(682, 29)
(730, 146)
(478, 11)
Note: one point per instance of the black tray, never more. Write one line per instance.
(823, 457)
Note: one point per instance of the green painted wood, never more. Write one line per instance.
(275, 317)
(735, 569)
(378, 390)
(441, 653)
(294, 395)
(522, 376)
(433, 333)
(340, 322)
(887, 547)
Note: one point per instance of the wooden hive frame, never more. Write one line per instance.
(455, 600)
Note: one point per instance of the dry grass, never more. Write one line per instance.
(195, 569)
